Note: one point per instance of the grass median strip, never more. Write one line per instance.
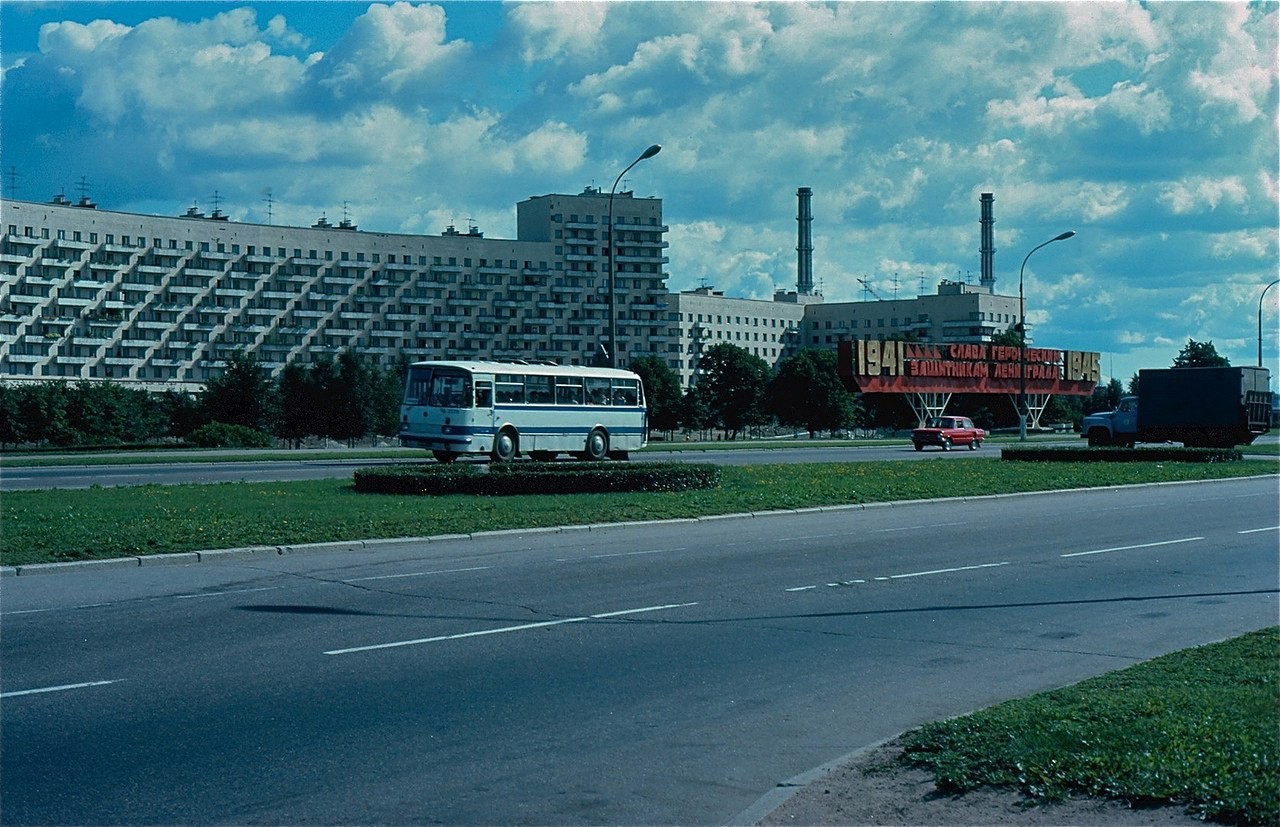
(97, 523)
(1198, 727)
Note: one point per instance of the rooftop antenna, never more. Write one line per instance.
(13, 182)
(84, 193)
(921, 293)
(895, 286)
(270, 205)
(217, 200)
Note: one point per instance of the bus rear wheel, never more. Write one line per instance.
(597, 445)
(445, 456)
(505, 446)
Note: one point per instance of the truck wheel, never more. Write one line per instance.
(1099, 438)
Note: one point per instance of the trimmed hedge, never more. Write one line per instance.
(506, 479)
(223, 435)
(1115, 454)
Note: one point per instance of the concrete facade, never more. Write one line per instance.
(160, 302)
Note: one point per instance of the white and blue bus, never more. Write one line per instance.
(506, 409)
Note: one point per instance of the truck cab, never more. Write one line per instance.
(1118, 427)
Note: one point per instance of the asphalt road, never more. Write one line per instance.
(85, 476)
(657, 674)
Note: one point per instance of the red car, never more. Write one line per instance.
(945, 431)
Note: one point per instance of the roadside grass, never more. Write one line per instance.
(22, 459)
(1200, 727)
(98, 523)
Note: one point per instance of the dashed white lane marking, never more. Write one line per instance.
(948, 571)
(62, 688)
(1256, 530)
(889, 577)
(1132, 548)
(222, 593)
(633, 553)
(504, 629)
(414, 574)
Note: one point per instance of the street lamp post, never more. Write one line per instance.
(1022, 339)
(1260, 298)
(613, 287)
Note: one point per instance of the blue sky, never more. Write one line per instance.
(1150, 129)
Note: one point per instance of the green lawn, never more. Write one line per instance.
(1199, 727)
(47, 526)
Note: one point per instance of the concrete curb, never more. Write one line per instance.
(213, 555)
(775, 798)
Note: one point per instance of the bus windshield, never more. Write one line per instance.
(449, 389)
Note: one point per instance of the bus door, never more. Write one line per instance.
(484, 401)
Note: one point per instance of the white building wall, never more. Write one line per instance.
(161, 301)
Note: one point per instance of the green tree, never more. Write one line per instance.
(12, 429)
(1105, 397)
(296, 395)
(807, 392)
(661, 392)
(385, 392)
(351, 412)
(732, 382)
(695, 413)
(1200, 355)
(241, 395)
(1011, 337)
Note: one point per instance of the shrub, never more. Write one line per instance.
(1166, 454)
(506, 479)
(222, 435)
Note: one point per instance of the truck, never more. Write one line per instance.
(1199, 407)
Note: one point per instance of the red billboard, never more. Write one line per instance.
(912, 367)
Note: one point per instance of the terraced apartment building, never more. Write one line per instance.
(160, 302)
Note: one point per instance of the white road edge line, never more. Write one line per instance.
(1256, 530)
(1131, 548)
(62, 688)
(504, 629)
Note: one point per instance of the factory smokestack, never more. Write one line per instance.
(804, 242)
(988, 249)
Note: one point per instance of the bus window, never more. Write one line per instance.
(568, 390)
(538, 389)
(484, 393)
(415, 392)
(597, 391)
(510, 389)
(625, 392)
(450, 390)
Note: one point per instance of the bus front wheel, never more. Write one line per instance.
(505, 446)
(597, 445)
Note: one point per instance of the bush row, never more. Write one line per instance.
(505, 479)
(1166, 454)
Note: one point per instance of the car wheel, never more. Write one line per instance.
(946, 445)
(919, 447)
(975, 444)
